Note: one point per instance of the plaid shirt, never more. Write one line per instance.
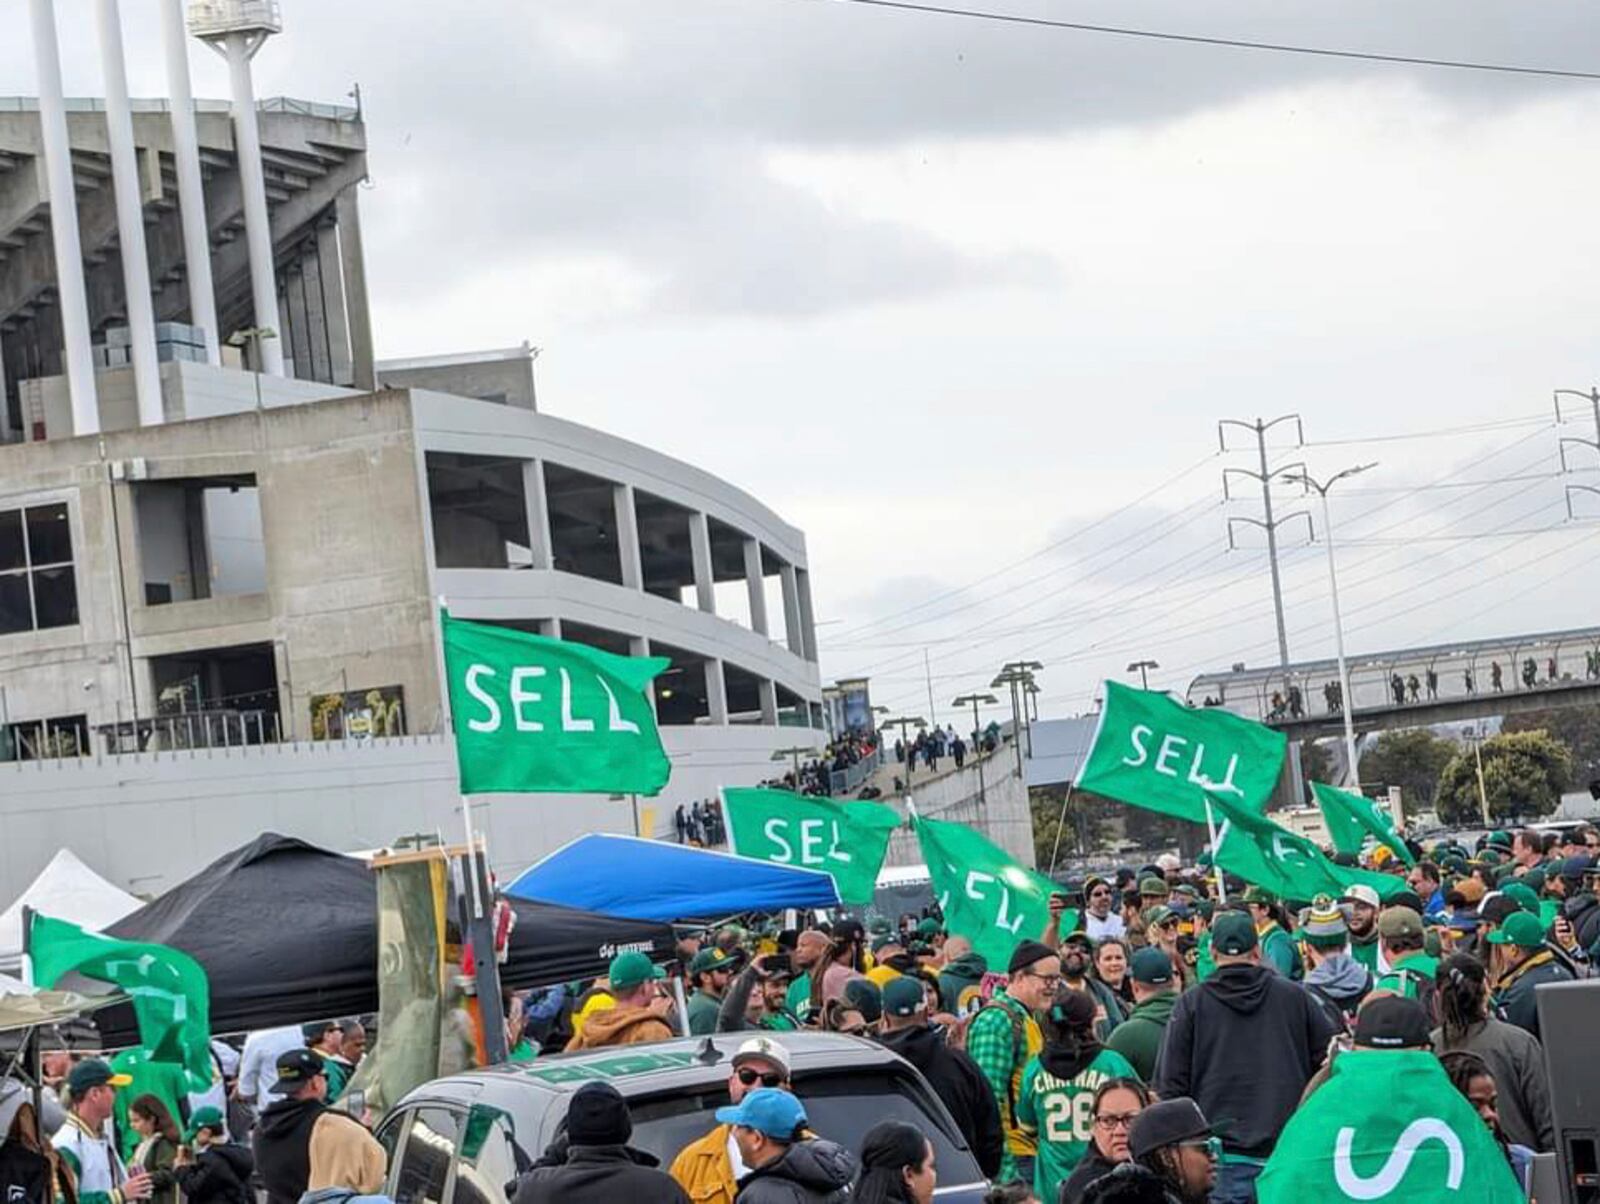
(992, 1044)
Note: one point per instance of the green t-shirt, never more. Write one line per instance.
(1062, 1113)
(799, 996)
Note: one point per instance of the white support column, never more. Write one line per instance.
(628, 536)
(769, 701)
(705, 590)
(791, 611)
(717, 691)
(353, 259)
(553, 628)
(70, 292)
(756, 584)
(191, 190)
(129, 196)
(538, 508)
(253, 182)
(5, 410)
(808, 620)
(639, 646)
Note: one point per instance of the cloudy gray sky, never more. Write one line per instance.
(965, 300)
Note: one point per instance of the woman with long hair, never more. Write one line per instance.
(1111, 968)
(896, 1165)
(1468, 1025)
(159, 1139)
(1117, 1103)
(1058, 1084)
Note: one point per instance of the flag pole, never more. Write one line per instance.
(1211, 825)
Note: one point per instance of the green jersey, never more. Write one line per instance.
(799, 997)
(1062, 1114)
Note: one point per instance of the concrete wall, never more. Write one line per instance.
(1003, 816)
(148, 822)
(505, 381)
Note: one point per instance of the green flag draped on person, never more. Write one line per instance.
(1351, 818)
(847, 840)
(1151, 751)
(985, 895)
(168, 989)
(536, 714)
(1387, 1126)
(1268, 855)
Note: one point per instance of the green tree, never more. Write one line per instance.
(1576, 727)
(1315, 763)
(1524, 774)
(1412, 760)
(1084, 829)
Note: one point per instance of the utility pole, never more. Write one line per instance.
(1593, 398)
(927, 673)
(1475, 736)
(1347, 699)
(975, 701)
(1017, 675)
(905, 723)
(1270, 525)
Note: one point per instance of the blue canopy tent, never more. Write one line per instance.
(653, 880)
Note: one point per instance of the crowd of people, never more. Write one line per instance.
(1097, 1064)
(700, 823)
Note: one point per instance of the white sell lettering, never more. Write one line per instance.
(492, 723)
(617, 723)
(568, 723)
(1171, 746)
(810, 842)
(835, 853)
(1142, 753)
(774, 830)
(1394, 1168)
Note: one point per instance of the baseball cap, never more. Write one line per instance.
(1399, 923)
(903, 996)
(628, 970)
(1026, 954)
(1075, 938)
(1153, 886)
(767, 1050)
(1472, 890)
(711, 959)
(1259, 894)
(1574, 868)
(1521, 929)
(928, 927)
(204, 1118)
(1151, 966)
(1159, 914)
(1498, 840)
(1523, 895)
(1390, 1022)
(1362, 893)
(767, 1110)
(1165, 1123)
(296, 1068)
(847, 930)
(92, 1073)
(1168, 862)
(1233, 933)
(315, 1030)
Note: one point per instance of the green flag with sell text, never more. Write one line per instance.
(168, 989)
(985, 895)
(1268, 855)
(1351, 818)
(533, 714)
(846, 840)
(1387, 1127)
(1153, 752)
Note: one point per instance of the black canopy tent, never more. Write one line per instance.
(288, 932)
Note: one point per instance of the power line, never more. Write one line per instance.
(1232, 43)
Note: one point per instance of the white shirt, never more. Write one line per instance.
(258, 1065)
(735, 1162)
(1099, 929)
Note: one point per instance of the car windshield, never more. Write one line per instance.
(841, 1107)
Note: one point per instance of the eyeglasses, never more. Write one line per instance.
(1099, 894)
(859, 1030)
(1049, 980)
(751, 1077)
(1211, 1145)
(1117, 1120)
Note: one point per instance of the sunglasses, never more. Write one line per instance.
(1099, 894)
(1211, 1145)
(751, 1077)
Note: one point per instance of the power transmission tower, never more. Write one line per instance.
(1593, 398)
(1270, 525)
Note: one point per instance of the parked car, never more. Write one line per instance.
(463, 1139)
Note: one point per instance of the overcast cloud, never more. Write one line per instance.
(943, 292)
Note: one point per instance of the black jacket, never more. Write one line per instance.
(219, 1174)
(1584, 913)
(1093, 1165)
(956, 1079)
(810, 1172)
(599, 1174)
(283, 1147)
(1515, 991)
(25, 1174)
(1243, 1045)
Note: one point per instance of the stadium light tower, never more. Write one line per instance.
(1347, 700)
(236, 29)
(975, 701)
(1144, 668)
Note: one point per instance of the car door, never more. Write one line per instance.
(422, 1159)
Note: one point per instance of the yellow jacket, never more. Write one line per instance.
(703, 1171)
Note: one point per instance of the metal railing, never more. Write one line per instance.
(849, 779)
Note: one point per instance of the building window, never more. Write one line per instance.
(37, 586)
(45, 739)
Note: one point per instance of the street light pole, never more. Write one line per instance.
(975, 701)
(905, 722)
(1144, 676)
(1347, 699)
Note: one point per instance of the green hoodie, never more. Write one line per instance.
(1138, 1038)
(966, 971)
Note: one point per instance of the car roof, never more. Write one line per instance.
(664, 1065)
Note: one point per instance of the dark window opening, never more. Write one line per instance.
(38, 588)
(681, 697)
(45, 739)
(792, 709)
(215, 697)
(479, 508)
(596, 637)
(744, 694)
(583, 524)
(665, 549)
(200, 537)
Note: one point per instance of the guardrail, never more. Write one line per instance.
(849, 779)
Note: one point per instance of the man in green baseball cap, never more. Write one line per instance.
(641, 1009)
(1523, 961)
(709, 973)
(1278, 951)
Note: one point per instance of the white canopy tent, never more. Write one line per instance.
(66, 889)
